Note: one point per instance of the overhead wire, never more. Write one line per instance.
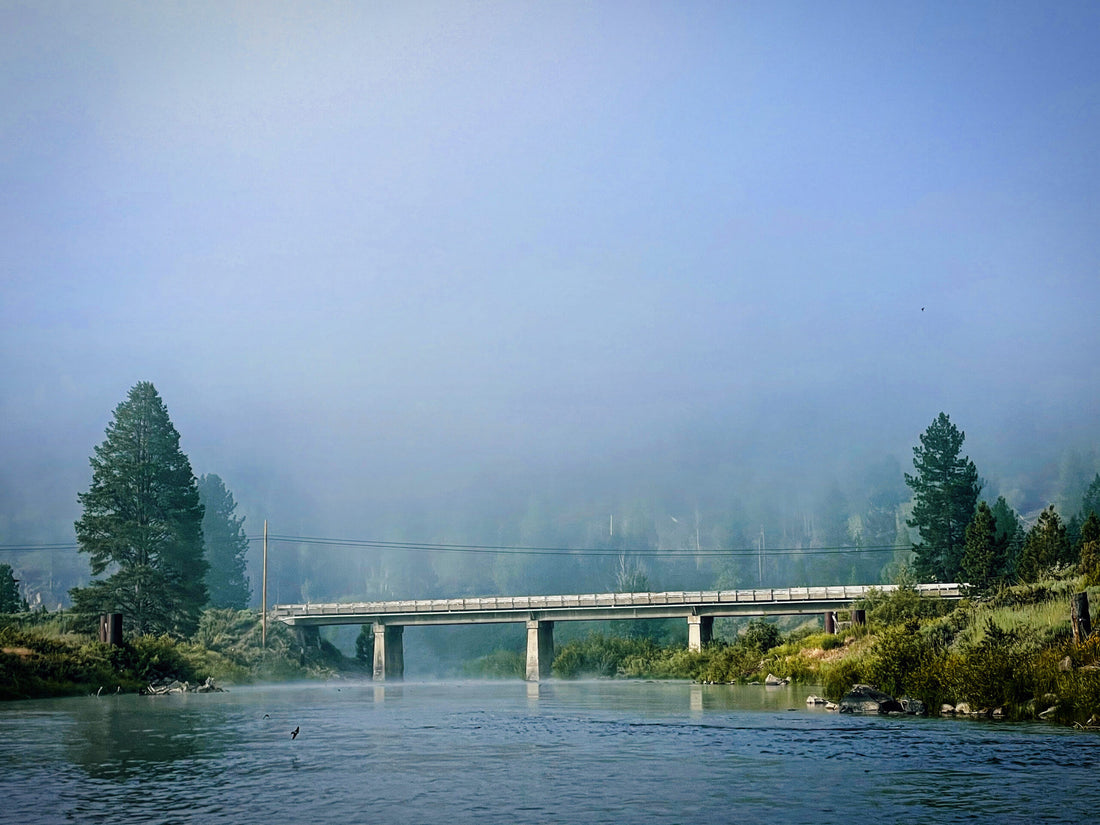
(518, 550)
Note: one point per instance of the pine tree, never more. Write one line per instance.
(1045, 548)
(945, 492)
(1090, 502)
(226, 545)
(10, 600)
(142, 522)
(1010, 532)
(984, 557)
(1089, 553)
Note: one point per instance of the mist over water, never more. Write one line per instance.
(509, 751)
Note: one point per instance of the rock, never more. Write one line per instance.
(914, 707)
(999, 713)
(1066, 665)
(963, 709)
(947, 710)
(815, 700)
(832, 706)
(1046, 714)
(865, 699)
(775, 681)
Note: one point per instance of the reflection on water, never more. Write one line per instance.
(512, 751)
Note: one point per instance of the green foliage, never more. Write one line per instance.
(945, 492)
(10, 600)
(760, 635)
(500, 664)
(599, 655)
(901, 605)
(1045, 549)
(142, 517)
(1090, 502)
(1089, 554)
(983, 561)
(225, 545)
(364, 645)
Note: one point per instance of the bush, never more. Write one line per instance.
(500, 664)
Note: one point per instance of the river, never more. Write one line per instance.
(510, 752)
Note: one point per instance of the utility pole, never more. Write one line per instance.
(760, 559)
(263, 631)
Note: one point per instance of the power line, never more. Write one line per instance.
(517, 550)
(570, 551)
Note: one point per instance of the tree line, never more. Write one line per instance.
(163, 545)
(964, 539)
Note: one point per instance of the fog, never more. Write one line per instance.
(499, 273)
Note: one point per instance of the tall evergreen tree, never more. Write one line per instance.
(1090, 502)
(10, 600)
(226, 545)
(1010, 532)
(142, 523)
(984, 557)
(945, 492)
(1045, 547)
(1089, 552)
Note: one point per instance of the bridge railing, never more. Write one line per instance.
(598, 600)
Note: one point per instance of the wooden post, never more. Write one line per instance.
(830, 622)
(114, 629)
(263, 607)
(1079, 616)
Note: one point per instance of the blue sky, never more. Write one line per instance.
(377, 250)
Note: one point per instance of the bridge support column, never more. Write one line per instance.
(700, 631)
(540, 649)
(830, 622)
(389, 655)
(307, 636)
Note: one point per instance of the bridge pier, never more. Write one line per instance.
(389, 653)
(700, 631)
(540, 649)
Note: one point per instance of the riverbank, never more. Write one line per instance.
(40, 657)
(1010, 654)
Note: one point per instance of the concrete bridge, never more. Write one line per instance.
(539, 613)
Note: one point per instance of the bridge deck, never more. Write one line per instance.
(598, 606)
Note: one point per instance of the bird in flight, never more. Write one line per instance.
(294, 733)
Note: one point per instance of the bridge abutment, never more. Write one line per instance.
(540, 649)
(389, 653)
(700, 631)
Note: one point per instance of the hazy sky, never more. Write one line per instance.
(374, 251)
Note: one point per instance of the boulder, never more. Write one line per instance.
(865, 699)
(815, 700)
(914, 707)
(775, 681)
(947, 710)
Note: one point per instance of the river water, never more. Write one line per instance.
(511, 752)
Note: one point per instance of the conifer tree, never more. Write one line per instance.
(142, 523)
(984, 557)
(10, 600)
(945, 492)
(1046, 547)
(1089, 553)
(226, 545)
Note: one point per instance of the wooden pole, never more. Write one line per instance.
(263, 632)
(1079, 616)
